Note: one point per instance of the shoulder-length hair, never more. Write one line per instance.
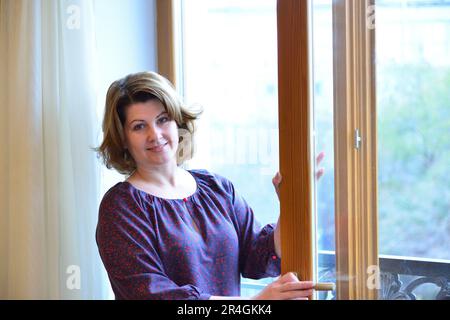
(137, 88)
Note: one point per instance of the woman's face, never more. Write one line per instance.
(150, 135)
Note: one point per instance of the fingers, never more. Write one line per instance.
(320, 173)
(277, 179)
(320, 157)
(291, 288)
(296, 290)
(287, 287)
(276, 183)
(294, 295)
(305, 286)
(288, 277)
(301, 285)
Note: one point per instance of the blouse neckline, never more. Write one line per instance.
(197, 189)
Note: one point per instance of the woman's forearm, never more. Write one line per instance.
(277, 239)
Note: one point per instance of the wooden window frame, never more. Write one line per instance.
(296, 205)
(166, 46)
(355, 169)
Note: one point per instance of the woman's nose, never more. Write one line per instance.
(154, 133)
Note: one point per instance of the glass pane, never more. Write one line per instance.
(413, 81)
(322, 42)
(230, 69)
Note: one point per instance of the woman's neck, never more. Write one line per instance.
(164, 176)
(169, 184)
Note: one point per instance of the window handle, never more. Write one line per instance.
(357, 139)
(324, 286)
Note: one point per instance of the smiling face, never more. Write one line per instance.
(151, 137)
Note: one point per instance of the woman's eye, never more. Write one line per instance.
(138, 127)
(163, 119)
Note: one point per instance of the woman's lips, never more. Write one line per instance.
(158, 148)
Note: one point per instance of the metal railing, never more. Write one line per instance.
(401, 278)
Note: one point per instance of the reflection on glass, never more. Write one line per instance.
(322, 42)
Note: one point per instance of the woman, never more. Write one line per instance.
(170, 233)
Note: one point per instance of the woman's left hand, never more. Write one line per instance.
(276, 180)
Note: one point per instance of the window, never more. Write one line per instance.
(322, 87)
(229, 67)
(413, 78)
(413, 114)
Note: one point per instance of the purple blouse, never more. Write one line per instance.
(192, 248)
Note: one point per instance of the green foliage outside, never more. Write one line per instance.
(414, 160)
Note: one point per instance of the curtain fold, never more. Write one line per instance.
(49, 173)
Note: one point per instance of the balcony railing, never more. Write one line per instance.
(401, 278)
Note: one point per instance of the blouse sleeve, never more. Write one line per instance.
(257, 254)
(126, 243)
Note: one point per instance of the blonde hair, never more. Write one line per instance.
(136, 88)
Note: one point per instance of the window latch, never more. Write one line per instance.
(357, 139)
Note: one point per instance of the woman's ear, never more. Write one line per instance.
(185, 146)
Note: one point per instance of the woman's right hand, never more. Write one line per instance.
(287, 287)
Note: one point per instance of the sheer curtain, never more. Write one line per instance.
(49, 175)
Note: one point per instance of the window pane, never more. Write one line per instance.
(413, 72)
(230, 69)
(413, 81)
(322, 42)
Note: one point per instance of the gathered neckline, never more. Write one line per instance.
(197, 189)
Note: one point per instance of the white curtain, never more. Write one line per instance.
(49, 175)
